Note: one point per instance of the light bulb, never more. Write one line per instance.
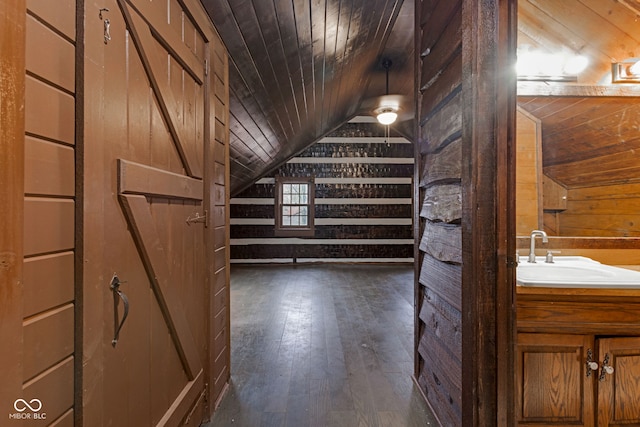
(387, 116)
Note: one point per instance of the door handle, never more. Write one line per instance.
(606, 368)
(118, 295)
(591, 365)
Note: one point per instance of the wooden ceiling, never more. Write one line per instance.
(590, 128)
(300, 69)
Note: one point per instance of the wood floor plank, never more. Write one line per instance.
(322, 345)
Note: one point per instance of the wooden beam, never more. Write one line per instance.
(545, 89)
(135, 178)
(488, 220)
(12, 88)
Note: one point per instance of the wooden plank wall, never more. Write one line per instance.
(363, 203)
(528, 173)
(219, 324)
(606, 211)
(438, 358)
(49, 209)
(12, 82)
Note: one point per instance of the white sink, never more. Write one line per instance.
(574, 272)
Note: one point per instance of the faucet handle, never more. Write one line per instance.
(549, 258)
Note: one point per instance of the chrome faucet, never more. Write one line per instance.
(532, 248)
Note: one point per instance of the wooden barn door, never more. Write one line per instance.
(149, 214)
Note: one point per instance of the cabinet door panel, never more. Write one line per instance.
(551, 380)
(619, 392)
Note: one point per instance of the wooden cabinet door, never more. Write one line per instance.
(552, 385)
(149, 217)
(619, 391)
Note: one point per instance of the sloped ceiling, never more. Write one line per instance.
(590, 128)
(301, 68)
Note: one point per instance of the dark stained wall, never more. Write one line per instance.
(438, 357)
(363, 202)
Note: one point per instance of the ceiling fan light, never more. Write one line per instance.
(386, 116)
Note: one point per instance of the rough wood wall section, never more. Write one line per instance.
(438, 305)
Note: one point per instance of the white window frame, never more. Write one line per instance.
(282, 228)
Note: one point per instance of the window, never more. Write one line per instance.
(294, 206)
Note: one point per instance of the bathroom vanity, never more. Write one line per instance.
(578, 344)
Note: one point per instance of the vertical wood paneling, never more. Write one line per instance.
(488, 177)
(12, 82)
(147, 139)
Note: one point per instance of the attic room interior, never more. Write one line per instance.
(205, 223)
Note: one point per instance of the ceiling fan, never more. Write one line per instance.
(389, 107)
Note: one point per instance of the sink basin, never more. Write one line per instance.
(574, 272)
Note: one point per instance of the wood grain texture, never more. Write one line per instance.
(300, 70)
(155, 260)
(442, 241)
(156, 70)
(551, 386)
(442, 203)
(617, 402)
(12, 126)
(489, 31)
(335, 348)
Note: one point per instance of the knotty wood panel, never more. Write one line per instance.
(49, 225)
(49, 168)
(49, 338)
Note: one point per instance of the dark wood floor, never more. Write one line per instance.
(322, 345)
